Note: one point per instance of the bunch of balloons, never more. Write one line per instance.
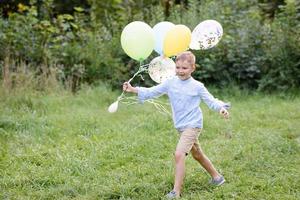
(138, 40)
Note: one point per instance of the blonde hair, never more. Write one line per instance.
(186, 56)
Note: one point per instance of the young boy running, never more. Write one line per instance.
(185, 94)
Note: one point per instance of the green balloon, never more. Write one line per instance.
(137, 40)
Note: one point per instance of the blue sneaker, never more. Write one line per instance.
(217, 181)
(172, 195)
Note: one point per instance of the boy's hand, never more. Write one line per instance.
(224, 112)
(128, 88)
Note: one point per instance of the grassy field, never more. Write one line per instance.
(60, 146)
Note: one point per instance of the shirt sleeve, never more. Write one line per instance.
(210, 101)
(152, 92)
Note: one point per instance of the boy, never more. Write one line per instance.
(185, 94)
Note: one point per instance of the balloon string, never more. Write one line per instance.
(157, 104)
(142, 68)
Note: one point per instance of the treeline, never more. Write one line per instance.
(74, 42)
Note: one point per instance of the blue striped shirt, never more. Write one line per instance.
(185, 97)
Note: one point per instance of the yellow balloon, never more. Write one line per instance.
(177, 40)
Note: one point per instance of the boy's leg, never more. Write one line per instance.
(179, 171)
(187, 139)
(199, 155)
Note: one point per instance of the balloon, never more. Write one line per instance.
(206, 35)
(137, 40)
(177, 40)
(161, 69)
(160, 31)
(113, 107)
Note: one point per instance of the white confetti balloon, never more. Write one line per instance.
(161, 69)
(206, 35)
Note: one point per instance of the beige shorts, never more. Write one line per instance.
(188, 139)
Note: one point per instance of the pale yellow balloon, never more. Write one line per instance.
(177, 40)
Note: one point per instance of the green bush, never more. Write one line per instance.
(256, 52)
(282, 50)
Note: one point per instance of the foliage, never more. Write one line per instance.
(282, 50)
(242, 55)
(17, 34)
(259, 48)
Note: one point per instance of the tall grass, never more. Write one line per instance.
(65, 146)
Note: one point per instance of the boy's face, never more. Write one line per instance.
(184, 69)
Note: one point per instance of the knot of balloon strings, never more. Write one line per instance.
(141, 69)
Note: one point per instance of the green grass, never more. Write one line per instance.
(60, 146)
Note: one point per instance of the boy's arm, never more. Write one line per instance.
(214, 103)
(146, 93)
